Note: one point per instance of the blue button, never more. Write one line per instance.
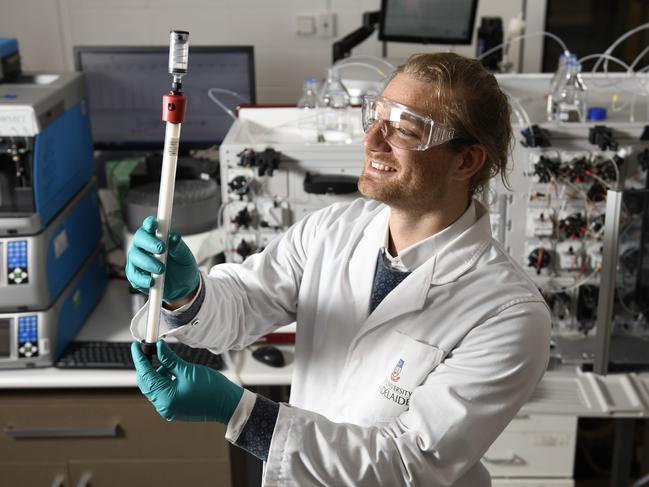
(10, 96)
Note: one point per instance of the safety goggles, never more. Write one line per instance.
(402, 127)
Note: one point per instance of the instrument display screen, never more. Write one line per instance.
(5, 336)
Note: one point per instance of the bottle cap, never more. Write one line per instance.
(596, 114)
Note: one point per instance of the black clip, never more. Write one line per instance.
(602, 137)
(266, 162)
(535, 136)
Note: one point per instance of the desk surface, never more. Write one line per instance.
(110, 321)
(563, 390)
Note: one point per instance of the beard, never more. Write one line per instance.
(387, 193)
(418, 191)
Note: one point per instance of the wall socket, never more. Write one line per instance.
(326, 24)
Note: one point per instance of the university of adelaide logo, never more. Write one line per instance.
(389, 390)
(396, 373)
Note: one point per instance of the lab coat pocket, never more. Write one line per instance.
(409, 362)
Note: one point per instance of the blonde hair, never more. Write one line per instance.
(467, 97)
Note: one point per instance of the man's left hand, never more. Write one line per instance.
(184, 391)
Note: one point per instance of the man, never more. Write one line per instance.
(418, 339)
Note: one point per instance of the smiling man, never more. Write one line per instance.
(418, 339)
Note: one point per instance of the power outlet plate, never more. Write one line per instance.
(326, 24)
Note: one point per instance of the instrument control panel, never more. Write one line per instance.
(17, 265)
(28, 336)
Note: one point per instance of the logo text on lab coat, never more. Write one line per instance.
(395, 394)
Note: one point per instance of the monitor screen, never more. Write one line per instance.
(124, 88)
(427, 21)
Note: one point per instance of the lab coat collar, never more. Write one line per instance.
(459, 254)
(418, 253)
(455, 258)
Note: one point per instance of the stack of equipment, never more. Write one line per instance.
(51, 263)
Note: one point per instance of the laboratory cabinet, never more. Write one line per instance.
(54, 474)
(534, 451)
(104, 438)
(532, 483)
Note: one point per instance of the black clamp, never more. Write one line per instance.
(545, 169)
(266, 162)
(535, 136)
(602, 137)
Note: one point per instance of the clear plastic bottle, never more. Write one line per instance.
(309, 98)
(558, 75)
(308, 104)
(334, 118)
(569, 96)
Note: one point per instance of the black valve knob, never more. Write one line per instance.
(573, 226)
(242, 219)
(239, 185)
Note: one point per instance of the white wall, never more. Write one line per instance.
(47, 30)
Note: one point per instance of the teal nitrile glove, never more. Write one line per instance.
(197, 393)
(181, 277)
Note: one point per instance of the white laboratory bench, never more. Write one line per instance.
(564, 390)
(110, 321)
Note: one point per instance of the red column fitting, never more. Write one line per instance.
(173, 108)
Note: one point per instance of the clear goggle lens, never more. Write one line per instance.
(402, 127)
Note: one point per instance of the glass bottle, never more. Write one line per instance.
(569, 97)
(334, 117)
(308, 104)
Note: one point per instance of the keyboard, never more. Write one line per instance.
(117, 355)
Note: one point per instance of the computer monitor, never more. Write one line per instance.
(125, 84)
(427, 21)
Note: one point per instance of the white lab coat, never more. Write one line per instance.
(412, 394)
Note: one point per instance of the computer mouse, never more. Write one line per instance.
(269, 355)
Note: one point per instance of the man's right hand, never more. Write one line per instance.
(181, 277)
